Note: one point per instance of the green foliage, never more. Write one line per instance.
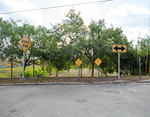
(107, 65)
(39, 73)
(49, 68)
(27, 74)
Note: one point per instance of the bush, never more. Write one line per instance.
(27, 74)
(39, 73)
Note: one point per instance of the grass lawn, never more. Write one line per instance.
(6, 72)
(73, 72)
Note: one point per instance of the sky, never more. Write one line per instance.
(130, 15)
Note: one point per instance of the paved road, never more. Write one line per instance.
(109, 100)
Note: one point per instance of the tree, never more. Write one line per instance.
(11, 33)
(143, 46)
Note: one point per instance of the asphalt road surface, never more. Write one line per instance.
(106, 100)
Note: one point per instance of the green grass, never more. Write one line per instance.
(73, 72)
(6, 72)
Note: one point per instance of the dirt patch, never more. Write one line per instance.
(70, 79)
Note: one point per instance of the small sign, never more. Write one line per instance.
(78, 62)
(25, 43)
(119, 48)
(97, 61)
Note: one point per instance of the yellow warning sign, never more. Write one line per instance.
(119, 48)
(25, 43)
(78, 62)
(97, 61)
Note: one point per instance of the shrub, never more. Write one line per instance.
(26, 74)
(39, 73)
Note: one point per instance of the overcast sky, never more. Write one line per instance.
(131, 15)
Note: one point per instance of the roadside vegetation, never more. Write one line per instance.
(73, 72)
(55, 50)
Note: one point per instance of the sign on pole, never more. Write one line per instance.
(98, 62)
(119, 49)
(25, 44)
(79, 62)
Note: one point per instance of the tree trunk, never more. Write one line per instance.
(92, 68)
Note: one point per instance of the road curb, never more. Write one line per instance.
(53, 83)
(74, 83)
(143, 81)
(109, 82)
(121, 81)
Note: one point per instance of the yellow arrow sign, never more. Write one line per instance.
(25, 43)
(97, 61)
(119, 48)
(78, 62)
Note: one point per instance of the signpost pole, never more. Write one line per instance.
(23, 64)
(79, 71)
(79, 62)
(98, 73)
(25, 44)
(140, 68)
(118, 65)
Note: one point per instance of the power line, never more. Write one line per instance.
(53, 7)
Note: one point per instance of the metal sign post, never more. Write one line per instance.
(98, 62)
(79, 62)
(119, 49)
(23, 64)
(79, 71)
(25, 44)
(140, 68)
(98, 73)
(119, 65)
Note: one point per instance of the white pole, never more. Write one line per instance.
(140, 68)
(23, 64)
(118, 65)
(98, 73)
(79, 72)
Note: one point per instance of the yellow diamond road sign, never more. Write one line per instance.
(119, 48)
(98, 61)
(78, 62)
(25, 43)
